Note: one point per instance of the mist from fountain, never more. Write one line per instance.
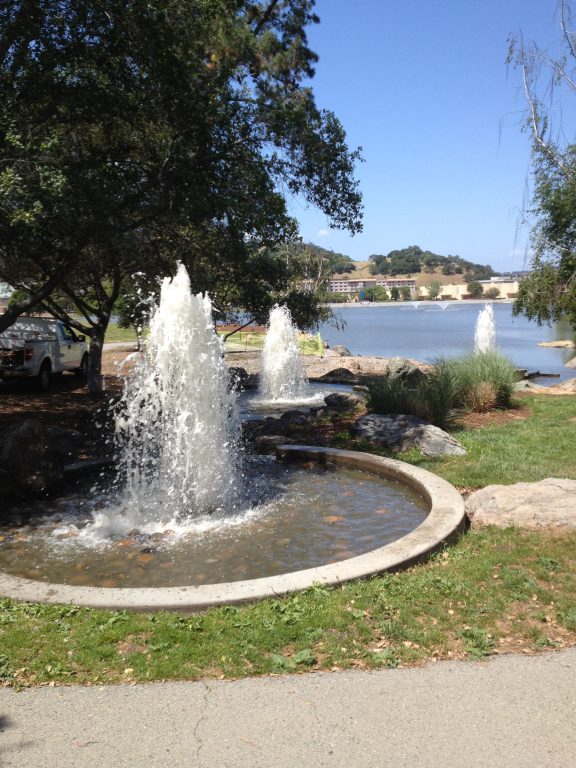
(177, 424)
(485, 332)
(283, 375)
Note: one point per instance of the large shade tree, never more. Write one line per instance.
(548, 292)
(133, 134)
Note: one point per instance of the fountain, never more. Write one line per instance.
(283, 376)
(485, 333)
(184, 525)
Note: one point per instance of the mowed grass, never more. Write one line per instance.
(493, 591)
(524, 449)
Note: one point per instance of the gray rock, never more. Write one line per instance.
(241, 379)
(341, 350)
(548, 503)
(571, 363)
(402, 433)
(565, 386)
(526, 384)
(33, 456)
(338, 376)
(401, 368)
(344, 401)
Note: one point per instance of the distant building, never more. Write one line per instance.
(507, 289)
(344, 284)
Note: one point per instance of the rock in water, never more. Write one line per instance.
(548, 503)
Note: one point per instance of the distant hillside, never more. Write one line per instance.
(414, 260)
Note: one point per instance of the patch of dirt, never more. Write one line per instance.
(491, 418)
(67, 404)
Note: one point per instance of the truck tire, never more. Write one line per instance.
(82, 371)
(44, 376)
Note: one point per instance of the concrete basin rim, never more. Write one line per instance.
(446, 517)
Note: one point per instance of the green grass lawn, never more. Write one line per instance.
(115, 333)
(492, 591)
(542, 445)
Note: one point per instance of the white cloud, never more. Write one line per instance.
(322, 233)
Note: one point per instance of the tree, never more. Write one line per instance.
(548, 293)
(492, 293)
(475, 289)
(394, 293)
(405, 294)
(135, 134)
(434, 289)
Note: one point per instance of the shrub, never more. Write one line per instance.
(481, 381)
(429, 399)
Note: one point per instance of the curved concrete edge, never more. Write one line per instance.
(446, 517)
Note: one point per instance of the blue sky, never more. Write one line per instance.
(423, 87)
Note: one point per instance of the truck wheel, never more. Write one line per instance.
(45, 376)
(82, 371)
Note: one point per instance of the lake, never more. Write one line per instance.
(425, 330)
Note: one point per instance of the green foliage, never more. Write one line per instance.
(434, 289)
(548, 293)
(413, 259)
(430, 398)
(378, 293)
(177, 125)
(492, 293)
(394, 293)
(475, 289)
(480, 381)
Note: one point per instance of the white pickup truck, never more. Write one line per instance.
(40, 347)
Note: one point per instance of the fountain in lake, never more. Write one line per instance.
(283, 376)
(485, 333)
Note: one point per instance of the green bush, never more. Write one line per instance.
(478, 382)
(481, 381)
(429, 399)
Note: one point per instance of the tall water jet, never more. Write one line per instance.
(485, 333)
(176, 427)
(283, 376)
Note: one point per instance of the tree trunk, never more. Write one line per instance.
(94, 381)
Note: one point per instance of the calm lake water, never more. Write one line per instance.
(423, 331)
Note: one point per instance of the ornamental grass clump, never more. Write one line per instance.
(429, 399)
(481, 381)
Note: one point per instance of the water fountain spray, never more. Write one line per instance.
(177, 428)
(485, 333)
(283, 376)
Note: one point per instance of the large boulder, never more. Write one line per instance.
(548, 503)
(338, 376)
(571, 363)
(401, 368)
(402, 433)
(344, 401)
(33, 456)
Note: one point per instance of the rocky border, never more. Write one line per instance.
(446, 518)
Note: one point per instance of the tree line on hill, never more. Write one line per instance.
(411, 260)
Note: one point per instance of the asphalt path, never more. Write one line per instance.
(508, 712)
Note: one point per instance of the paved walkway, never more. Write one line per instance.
(509, 712)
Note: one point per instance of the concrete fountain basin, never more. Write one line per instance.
(444, 520)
